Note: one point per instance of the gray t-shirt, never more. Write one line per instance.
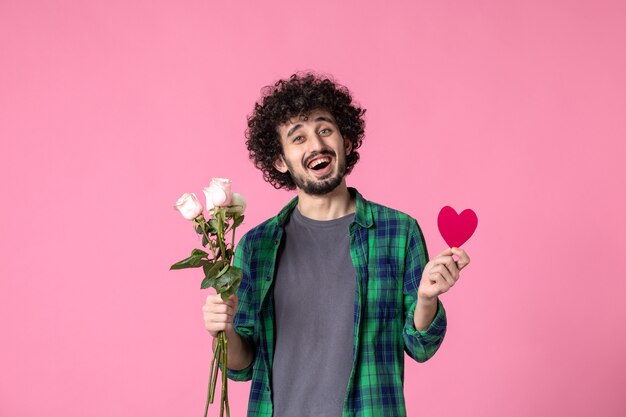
(314, 295)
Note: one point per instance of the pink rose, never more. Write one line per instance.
(237, 204)
(218, 193)
(189, 206)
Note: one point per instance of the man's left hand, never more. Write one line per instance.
(441, 273)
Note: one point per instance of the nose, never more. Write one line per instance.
(316, 143)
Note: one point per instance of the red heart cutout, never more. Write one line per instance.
(456, 228)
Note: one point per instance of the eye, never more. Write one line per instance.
(325, 132)
(298, 139)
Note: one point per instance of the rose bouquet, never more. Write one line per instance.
(225, 210)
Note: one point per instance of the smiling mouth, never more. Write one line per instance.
(319, 163)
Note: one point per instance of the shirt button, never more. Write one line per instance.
(267, 278)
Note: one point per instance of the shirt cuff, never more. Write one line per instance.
(244, 374)
(436, 327)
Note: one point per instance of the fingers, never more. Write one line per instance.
(215, 304)
(449, 263)
(464, 259)
(444, 270)
(440, 273)
(445, 252)
(218, 314)
(441, 278)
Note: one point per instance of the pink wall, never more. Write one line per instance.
(109, 110)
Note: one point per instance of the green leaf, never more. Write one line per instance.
(238, 275)
(228, 283)
(204, 241)
(199, 252)
(209, 229)
(207, 283)
(213, 224)
(211, 269)
(194, 261)
(227, 293)
(191, 262)
(223, 270)
(238, 221)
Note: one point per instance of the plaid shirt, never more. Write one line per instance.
(388, 252)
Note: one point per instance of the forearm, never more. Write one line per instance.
(240, 353)
(425, 312)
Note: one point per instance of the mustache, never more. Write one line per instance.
(328, 152)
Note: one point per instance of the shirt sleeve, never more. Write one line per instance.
(420, 345)
(244, 318)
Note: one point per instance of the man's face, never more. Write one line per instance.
(314, 152)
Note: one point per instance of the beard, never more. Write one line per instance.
(322, 185)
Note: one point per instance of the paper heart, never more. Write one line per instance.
(456, 228)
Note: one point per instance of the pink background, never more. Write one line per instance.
(110, 110)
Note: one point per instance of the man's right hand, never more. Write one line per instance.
(219, 314)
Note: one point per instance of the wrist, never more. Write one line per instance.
(230, 332)
(426, 301)
(425, 312)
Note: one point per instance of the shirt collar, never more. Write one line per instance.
(362, 216)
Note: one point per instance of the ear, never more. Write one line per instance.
(280, 164)
(347, 143)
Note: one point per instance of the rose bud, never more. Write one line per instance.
(237, 204)
(189, 206)
(218, 193)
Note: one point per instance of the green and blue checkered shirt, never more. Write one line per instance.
(389, 253)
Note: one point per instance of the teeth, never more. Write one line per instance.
(318, 161)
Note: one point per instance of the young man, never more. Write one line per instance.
(336, 288)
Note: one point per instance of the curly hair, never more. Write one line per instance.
(298, 96)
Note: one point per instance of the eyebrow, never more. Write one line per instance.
(299, 125)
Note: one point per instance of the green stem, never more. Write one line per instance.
(217, 356)
(232, 243)
(227, 406)
(223, 341)
(211, 390)
(207, 238)
(225, 375)
(220, 230)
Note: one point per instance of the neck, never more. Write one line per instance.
(330, 206)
